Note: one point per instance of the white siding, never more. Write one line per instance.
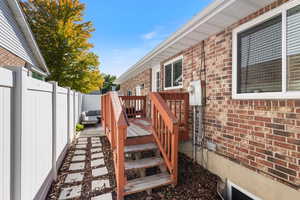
(6, 85)
(11, 37)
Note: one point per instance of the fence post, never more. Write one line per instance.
(54, 129)
(19, 104)
(74, 110)
(69, 115)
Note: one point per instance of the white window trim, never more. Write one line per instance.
(171, 62)
(229, 191)
(265, 17)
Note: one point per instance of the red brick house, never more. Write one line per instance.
(18, 47)
(246, 54)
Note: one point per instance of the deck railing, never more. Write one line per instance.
(165, 129)
(178, 102)
(115, 126)
(134, 106)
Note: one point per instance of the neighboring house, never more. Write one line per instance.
(18, 47)
(246, 53)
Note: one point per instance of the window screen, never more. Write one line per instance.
(293, 48)
(177, 73)
(168, 75)
(260, 58)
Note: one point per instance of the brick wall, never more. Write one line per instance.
(263, 135)
(131, 84)
(9, 59)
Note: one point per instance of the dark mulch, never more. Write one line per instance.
(194, 183)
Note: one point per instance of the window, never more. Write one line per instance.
(173, 74)
(293, 48)
(234, 192)
(266, 55)
(129, 93)
(157, 80)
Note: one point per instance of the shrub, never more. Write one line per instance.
(79, 127)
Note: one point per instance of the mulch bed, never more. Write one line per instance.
(194, 183)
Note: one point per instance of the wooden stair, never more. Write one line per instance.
(145, 183)
(144, 163)
(140, 147)
(169, 113)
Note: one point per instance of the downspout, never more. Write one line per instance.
(202, 108)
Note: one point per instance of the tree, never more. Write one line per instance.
(63, 37)
(108, 83)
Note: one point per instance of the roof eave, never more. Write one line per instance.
(20, 18)
(214, 12)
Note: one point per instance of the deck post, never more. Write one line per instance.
(175, 154)
(120, 162)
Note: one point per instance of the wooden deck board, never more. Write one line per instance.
(140, 147)
(139, 127)
(144, 163)
(147, 182)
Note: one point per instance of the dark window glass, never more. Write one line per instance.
(260, 58)
(168, 75)
(293, 48)
(157, 81)
(237, 195)
(177, 73)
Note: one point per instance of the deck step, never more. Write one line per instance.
(147, 182)
(140, 147)
(144, 163)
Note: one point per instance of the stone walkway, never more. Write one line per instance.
(83, 174)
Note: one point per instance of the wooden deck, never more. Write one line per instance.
(139, 128)
(130, 132)
(139, 131)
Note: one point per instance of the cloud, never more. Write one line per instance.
(150, 35)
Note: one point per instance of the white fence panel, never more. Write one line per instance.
(6, 84)
(38, 140)
(91, 102)
(62, 120)
(36, 151)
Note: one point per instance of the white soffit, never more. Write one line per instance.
(214, 19)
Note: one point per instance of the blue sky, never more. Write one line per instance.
(128, 29)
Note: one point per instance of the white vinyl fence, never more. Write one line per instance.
(91, 102)
(6, 85)
(37, 121)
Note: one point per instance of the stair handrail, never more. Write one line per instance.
(116, 124)
(165, 129)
